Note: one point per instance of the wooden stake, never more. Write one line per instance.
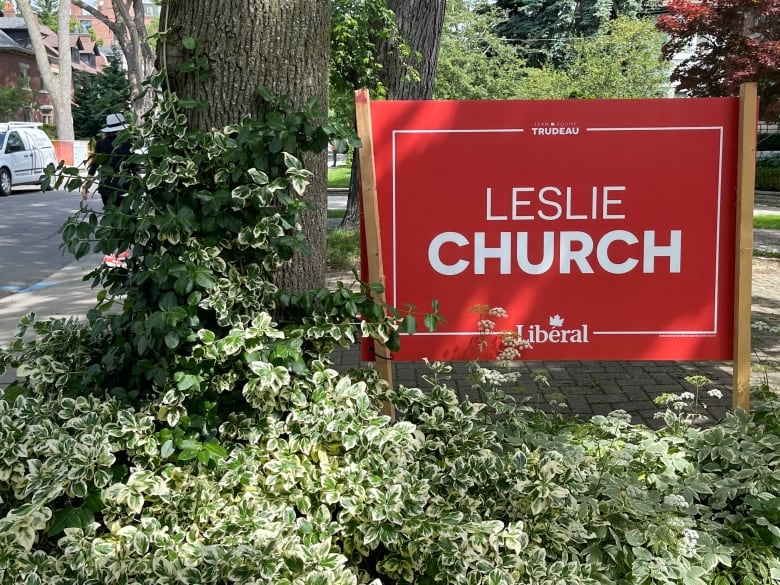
(376, 273)
(746, 184)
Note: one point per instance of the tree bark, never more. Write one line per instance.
(59, 85)
(420, 23)
(282, 45)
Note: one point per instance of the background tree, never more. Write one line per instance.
(47, 12)
(280, 45)
(96, 96)
(407, 62)
(12, 99)
(58, 83)
(358, 26)
(130, 32)
(543, 31)
(412, 76)
(474, 62)
(621, 62)
(731, 42)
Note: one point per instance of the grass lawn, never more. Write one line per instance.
(767, 221)
(338, 177)
(342, 251)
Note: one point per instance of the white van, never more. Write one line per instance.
(25, 151)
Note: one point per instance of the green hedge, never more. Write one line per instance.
(768, 174)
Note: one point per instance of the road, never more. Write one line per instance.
(29, 238)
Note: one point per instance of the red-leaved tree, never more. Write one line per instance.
(736, 41)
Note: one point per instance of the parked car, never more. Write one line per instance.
(25, 151)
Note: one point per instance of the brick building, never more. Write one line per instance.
(86, 22)
(18, 67)
(89, 46)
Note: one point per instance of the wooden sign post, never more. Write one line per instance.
(746, 182)
(384, 364)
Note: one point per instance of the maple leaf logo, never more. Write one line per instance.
(556, 321)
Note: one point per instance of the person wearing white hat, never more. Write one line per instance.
(112, 186)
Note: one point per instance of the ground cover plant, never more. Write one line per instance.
(190, 429)
(768, 174)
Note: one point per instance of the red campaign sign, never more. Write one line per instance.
(605, 229)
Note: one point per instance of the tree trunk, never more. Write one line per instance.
(140, 57)
(420, 23)
(351, 217)
(282, 45)
(57, 84)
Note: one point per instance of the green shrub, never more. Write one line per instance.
(768, 174)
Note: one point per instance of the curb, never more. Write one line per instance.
(769, 198)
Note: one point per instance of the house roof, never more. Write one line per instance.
(89, 45)
(14, 23)
(11, 42)
(8, 42)
(17, 28)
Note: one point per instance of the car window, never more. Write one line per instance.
(15, 143)
(2, 137)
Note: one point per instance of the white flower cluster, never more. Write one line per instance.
(688, 543)
(498, 312)
(676, 502)
(715, 393)
(512, 346)
(620, 415)
(486, 326)
(488, 376)
(494, 377)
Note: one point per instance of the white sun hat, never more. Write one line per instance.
(114, 123)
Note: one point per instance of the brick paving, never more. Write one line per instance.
(592, 388)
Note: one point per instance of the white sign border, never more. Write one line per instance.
(719, 129)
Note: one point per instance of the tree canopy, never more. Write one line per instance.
(47, 12)
(474, 62)
(12, 99)
(622, 61)
(543, 31)
(99, 95)
(130, 32)
(730, 42)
